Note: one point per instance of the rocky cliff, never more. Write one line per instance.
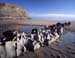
(11, 12)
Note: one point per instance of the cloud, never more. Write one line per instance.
(53, 15)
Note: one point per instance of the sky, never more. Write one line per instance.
(47, 9)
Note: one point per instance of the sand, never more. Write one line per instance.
(64, 47)
(55, 50)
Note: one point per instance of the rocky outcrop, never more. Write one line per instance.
(11, 12)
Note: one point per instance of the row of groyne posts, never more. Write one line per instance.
(17, 44)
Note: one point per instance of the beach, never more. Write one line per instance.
(22, 22)
(58, 49)
(64, 47)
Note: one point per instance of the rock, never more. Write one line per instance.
(11, 12)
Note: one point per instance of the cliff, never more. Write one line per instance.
(11, 12)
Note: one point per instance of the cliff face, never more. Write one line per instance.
(11, 12)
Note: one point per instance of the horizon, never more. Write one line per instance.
(47, 9)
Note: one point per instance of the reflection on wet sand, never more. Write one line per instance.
(62, 48)
(66, 45)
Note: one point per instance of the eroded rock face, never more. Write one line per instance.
(11, 11)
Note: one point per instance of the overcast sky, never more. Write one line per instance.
(47, 9)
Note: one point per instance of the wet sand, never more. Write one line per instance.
(64, 47)
(72, 27)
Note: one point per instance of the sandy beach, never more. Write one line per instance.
(20, 14)
(64, 47)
